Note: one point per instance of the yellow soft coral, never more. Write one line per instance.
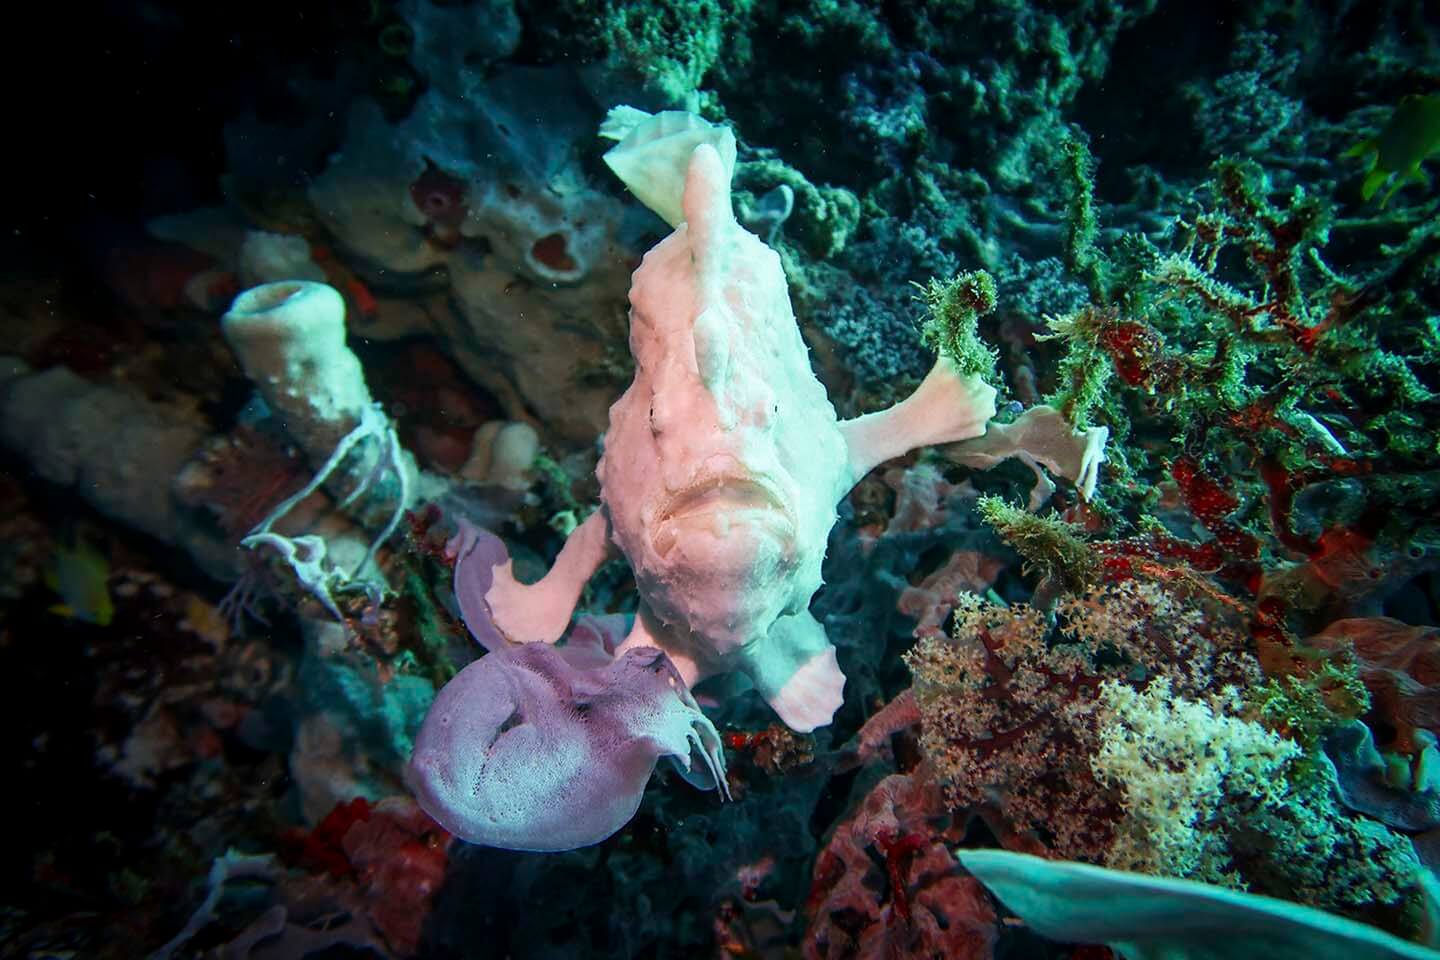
(1182, 767)
(1212, 797)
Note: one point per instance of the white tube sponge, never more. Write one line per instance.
(290, 340)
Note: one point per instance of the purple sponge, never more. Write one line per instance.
(541, 747)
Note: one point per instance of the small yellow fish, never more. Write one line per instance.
(1410, 136)
(80, 574)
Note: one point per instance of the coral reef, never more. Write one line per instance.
(346, 611)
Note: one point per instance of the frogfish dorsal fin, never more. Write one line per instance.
(653, 155)
(706, 205)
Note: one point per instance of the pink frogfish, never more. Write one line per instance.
(722, 468)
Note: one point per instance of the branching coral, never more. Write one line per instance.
(1256, 369)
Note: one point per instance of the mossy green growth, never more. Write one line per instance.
(824, 218)
(1305, 709)
(670, 44)
(1078, 179)
(674, 43)
(1083, 375)
(556, 486)
(1395, 371)
(1051, 547)
(1406, 434)
(956, 307)
(429, 652)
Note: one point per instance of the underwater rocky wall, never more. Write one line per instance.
(297, 295)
